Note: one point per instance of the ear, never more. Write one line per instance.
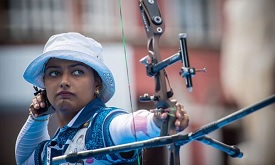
(98, 82)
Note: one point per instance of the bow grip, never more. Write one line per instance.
(168, 126)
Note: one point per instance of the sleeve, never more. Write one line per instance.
(125, 128)
(98, 136)
(31, 135)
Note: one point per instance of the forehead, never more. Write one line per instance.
(61, 62)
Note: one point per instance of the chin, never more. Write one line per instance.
(64, 105)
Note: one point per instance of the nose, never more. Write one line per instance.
(65, 81)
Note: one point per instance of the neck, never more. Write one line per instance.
(64, 118)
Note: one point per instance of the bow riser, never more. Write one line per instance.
(154, 28)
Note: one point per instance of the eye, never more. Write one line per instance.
(78, 72)
(54, 73)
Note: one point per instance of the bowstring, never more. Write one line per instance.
(127, 69)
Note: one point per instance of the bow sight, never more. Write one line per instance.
(186, 71)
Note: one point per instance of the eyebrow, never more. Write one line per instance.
(79, 64)
(70, 66)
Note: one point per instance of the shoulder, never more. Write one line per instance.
(98, 135)
(108, 113)
(99, 127)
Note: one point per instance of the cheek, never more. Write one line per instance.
(51, 90)
(50, 93)
(88, 89)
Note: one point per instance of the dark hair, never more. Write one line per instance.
(97, 77)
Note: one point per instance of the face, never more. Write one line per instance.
(70, 85)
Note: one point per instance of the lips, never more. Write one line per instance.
(65, 94)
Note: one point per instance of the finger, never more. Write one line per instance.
(32, 111)
(39, 97)
(41, 100)
(38, 102)
(180, 112)
(180, 121)
(183, 123)
(36, 106)
(35, 103)
(161, 115)
(42, 105)
(178, 104)
(177, 123)
(164, 115)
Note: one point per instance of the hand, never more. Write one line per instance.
(39, 107)
(182, 119)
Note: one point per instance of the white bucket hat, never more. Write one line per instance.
(75, 47)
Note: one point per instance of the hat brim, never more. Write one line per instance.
(34, 73)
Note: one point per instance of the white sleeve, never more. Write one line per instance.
(124, 127)
(31, 134)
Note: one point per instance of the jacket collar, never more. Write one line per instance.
(87, 112)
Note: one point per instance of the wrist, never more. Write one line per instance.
(154, 129)
(158, 122)
(41, 118)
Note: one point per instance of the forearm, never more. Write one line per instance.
(127, 128)
(31, 134)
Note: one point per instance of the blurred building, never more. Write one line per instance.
(24, 21)
(248, 73)
(27, 24)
